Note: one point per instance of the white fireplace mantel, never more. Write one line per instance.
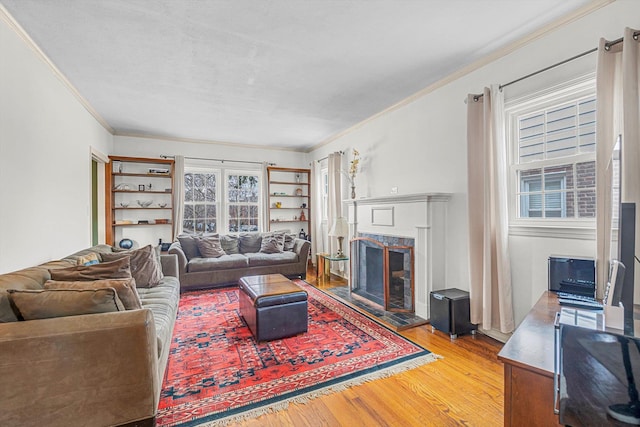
(420, 216)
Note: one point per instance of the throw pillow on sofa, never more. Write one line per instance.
(145, 266)
(250, 242)
(88, 259)
(125, 288)
(272, 243)
(210, 246)
(230, 244)
(47, 303)
(289, 241)
(189, 244)
(118, 269)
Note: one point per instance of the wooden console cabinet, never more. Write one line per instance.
(528, 359)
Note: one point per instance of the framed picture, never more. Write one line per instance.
(141, 187)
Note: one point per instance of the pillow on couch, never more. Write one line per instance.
(145, 266)
(125, 288)
(118, 269)
(46, 303)
(289, 241)
(210, 246)
(272, 243)
(229, 244)
(189, 243)
(88, 259)
(250, 242)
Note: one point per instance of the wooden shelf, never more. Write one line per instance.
(129, 225)
(283, 180)
(136, 174)
(146, 175)
(288, 183)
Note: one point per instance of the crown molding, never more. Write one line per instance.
(579, 13)
(17, 28)
(205, 141)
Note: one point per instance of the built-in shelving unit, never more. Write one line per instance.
(139, 193)
(289, 199)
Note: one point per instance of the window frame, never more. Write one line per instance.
(566, 92)
(222, 192)
(210, 171)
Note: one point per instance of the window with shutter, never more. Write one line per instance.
(552, 150)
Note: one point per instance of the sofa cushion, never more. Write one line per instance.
(46, 303)
(163, 301)
(145, 266)
(260, 258)
(189, 243)
(272, 243)
(112, 269)
(221, 263)
(125, 288)
(229, 244)
(209, 246)
(250, 242)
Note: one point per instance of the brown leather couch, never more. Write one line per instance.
(88, 370)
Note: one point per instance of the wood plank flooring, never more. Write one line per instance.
(463, 388)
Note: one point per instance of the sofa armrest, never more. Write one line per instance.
(301, 247)
(169, 265)
(96, 369)
(176, 249)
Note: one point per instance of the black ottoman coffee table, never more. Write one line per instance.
(273, 306)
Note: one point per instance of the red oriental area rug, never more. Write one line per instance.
(217, 373)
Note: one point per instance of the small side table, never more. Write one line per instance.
(323, 266)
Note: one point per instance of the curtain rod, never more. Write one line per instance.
(162, 156)
(326, 157)
(607, 46)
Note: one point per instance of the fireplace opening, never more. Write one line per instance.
(383, 273)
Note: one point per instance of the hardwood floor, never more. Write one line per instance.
(463, 388)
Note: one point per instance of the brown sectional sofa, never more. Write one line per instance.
(86, 370)
(242, 258)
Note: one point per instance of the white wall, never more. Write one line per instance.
(45, 160)
(421, 147)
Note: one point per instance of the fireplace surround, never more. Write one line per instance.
(416, 220)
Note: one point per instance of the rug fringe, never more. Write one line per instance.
(306, 397)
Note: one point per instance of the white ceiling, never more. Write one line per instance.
(280, 73)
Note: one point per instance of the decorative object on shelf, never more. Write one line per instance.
(117, 167)
(124, 204)
(301, 235)
(144, 203)
(143, 221)
(123, 187)
(123, 222)
(295, 217)
(302, 216)
(141, 187)
(339, 229)
(353, 171)
(159, 171)
(297, 177)
(149, 187)
(277, 204)
(303, 206)
(298, 191)
(162, 221)
(126, 243)
(162, 205)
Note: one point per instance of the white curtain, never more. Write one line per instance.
(618, 113)
(264, 190)
(489, 268)
(316, 211)
(178, 196)
(334, 196)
